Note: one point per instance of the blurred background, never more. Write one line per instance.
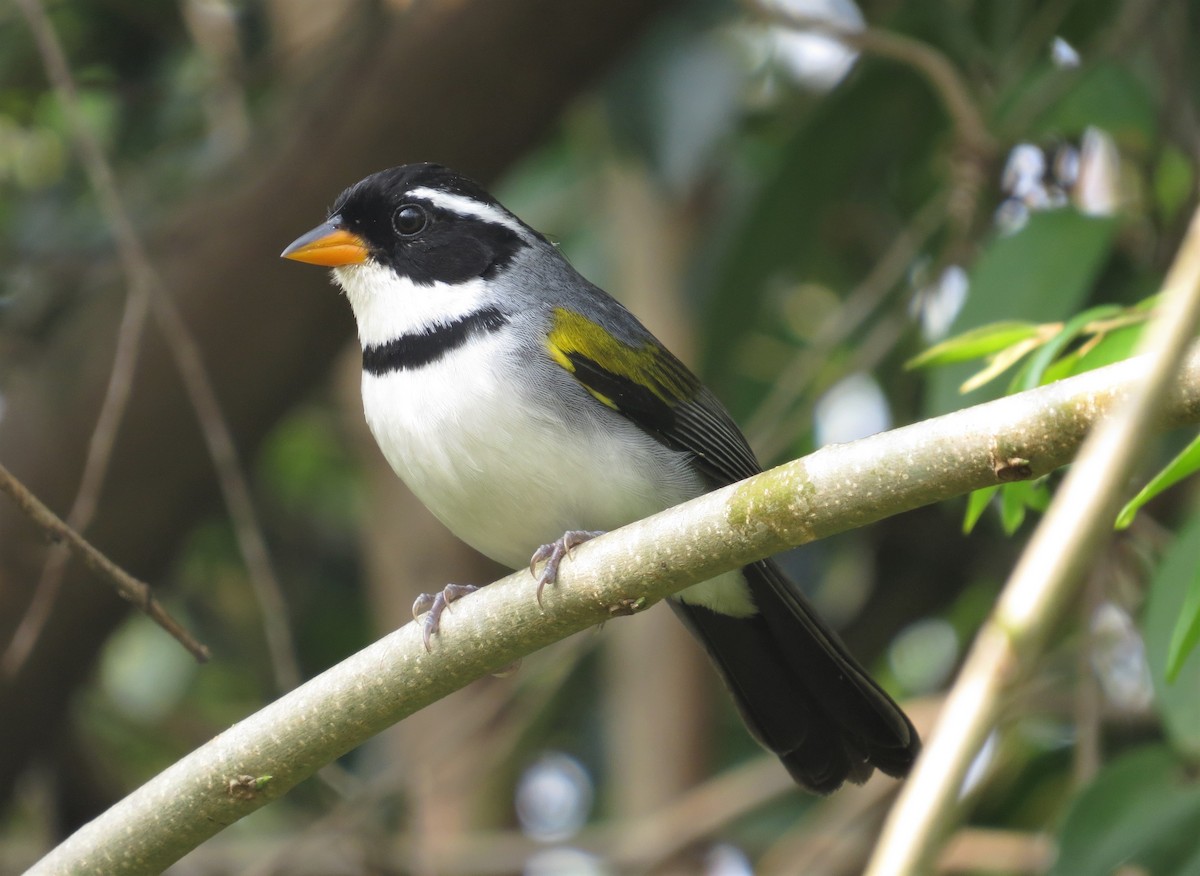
(796, 217)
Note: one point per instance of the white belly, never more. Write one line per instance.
(507, 475)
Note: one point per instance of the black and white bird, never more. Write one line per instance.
(529, 410)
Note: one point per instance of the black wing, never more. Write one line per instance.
(646, 383)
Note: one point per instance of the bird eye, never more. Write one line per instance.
(409, 219)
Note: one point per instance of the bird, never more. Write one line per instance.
(530, 411)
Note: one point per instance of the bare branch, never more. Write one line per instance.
(144, 282)
(837, 488)
(236, 492)
(128, 587)
(95, 468)
(133, 321)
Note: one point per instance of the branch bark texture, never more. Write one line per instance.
(835, 489)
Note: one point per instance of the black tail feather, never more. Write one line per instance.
(800, 691)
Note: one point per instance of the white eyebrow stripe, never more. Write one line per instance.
(465, 206)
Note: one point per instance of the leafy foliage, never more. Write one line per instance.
(1141, 810)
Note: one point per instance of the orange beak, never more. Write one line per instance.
(329, 245)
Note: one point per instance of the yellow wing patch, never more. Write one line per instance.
(573, 337)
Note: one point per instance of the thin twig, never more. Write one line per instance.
(772, 428)
(1058, 555)
(974, 144)
(925, 59)
(141, 275)
(247, 530)
(95, 467)
(133, 320)
(129, 588)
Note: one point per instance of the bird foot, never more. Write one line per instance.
(552, 555)
(435, 604)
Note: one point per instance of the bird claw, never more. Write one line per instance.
(433, 604)
(552, 555)
(422, 604)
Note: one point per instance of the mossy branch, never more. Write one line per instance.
(833, 490)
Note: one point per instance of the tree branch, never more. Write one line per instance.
(942, 76)
(1061, 550)
(146, 291)
(835, 489)
(128, 587)
(129, 336)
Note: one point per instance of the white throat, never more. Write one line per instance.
(387, 305)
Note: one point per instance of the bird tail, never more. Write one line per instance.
(801, 693)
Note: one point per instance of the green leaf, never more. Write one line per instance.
(1115, 346)
(1012, 506)
(1042, 274)
(975, 344)
(977, 503)
(1038, 496)
(1186, 463)
(1000, 363)
(1177, 681)
(1186, 633)
(1031, 378)
(1174, 182)
(1109, 96)
(1142, 809)
(1016, 499)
